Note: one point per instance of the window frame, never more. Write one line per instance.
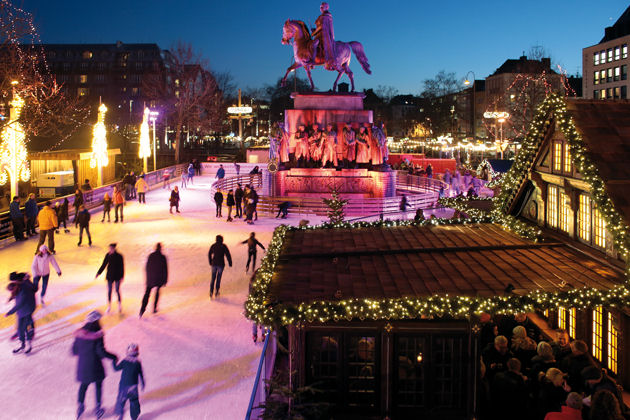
(597, 333)
(553, 214)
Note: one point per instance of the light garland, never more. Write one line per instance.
(144, 150)
(99, 156)
(13, 153)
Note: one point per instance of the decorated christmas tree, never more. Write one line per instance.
(336, 206)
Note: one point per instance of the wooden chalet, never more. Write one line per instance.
(574, 182)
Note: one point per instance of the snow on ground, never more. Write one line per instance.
(198, 357)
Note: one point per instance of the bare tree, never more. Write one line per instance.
(439, 96)
(189, 93)
(386, 93)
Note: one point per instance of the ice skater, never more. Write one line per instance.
(41, 269)
(115, 274)
(84, 224)
(174, 200)
(216, 257)
(250, 208)
(78, 201)
(62, 215)
(191, 173)
(107, 207)
(252, 243)
(89, 346)
(23, 291)
(238, 200)
(119, 202)
(47, 219)
(218, 201)
(128, 385)
(229, 201)
(157, 276)
(184, 179)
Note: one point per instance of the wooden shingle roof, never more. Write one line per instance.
(418, 261)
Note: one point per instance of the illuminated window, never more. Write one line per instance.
(612, 343)
(596, 59)
(83, 91)
(567, 157)
(584, 218)
(617, 74)
(624, 51)
(87, 55)
(610, 55)
(562, 318)
(572, 322)
(602, 57)
(83, 78)
(599, 229)
(624, 72)
(557, 156)
(565, 213)
(598, 327)
(602, 76)
(596, 78)
(609, 75)
(546, 313)
(617, 93)
(617, 53)
(552, 206)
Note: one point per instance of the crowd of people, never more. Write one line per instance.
(530, 376)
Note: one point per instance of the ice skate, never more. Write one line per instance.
(254, 337)
(19, 349)
(109, 308)
(99, 412)
(28, 347)
(119, 307)
(80, 410)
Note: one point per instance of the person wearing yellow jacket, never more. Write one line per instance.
(141, 188)
(47, 219)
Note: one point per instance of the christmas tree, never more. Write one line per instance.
(336, 206)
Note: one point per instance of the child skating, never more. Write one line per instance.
(128, 387)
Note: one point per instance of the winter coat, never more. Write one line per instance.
(567, 413)
(63, 210)
(573, 366)
(84, 218)
(230, 199)
(174, 198)
(252, 243)
(107, 204)
(115, 266)
(157, 270)
(90, 348)
(41, 263)
(191, 171)
(47, 219)
(550, 397)
(218, 198)
(217, 253)
(220, 173)
(30, 208)
(131, 371)
(78, 199)
(238, 195)
(141, 185)
(24, 300)
(118, 197)
(14, 210)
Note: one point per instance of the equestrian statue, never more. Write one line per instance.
(320, 48)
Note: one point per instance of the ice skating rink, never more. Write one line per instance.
(198, 357)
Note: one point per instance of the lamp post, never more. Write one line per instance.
(153, 115)
(239, 113)
(467, 82)
(13, 154)
(500, 117)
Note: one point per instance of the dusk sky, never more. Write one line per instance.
(405, 41)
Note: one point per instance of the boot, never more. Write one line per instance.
(80, 410)
(19, 349)
(99, 412)
(109, 307)
(28, 347)
(119, 307)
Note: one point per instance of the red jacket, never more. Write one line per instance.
(567, 413)
(118, 197)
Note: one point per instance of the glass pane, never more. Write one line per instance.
(410, 359)
(450, 378)
(361, 365)
(323, 369)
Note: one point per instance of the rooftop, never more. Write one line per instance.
(620, 28)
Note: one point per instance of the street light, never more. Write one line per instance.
(152, 117)
(467, 82)
(500, 117)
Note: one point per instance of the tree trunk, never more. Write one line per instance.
(178, 143)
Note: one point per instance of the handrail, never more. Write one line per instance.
(254, 398)
(229, 183)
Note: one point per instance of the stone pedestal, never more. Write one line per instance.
(304, 182)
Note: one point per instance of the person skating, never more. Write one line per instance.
(157, 276)
(283, 209)
(78, 201)
(128, 385)
(23, 291)
(218, 201)
(191, 173)
(84, 224)
(250, 208)
(184, 179)
(62, 215)
(238, 201)
(174, 200)
(47, 219)
(230, 203)
(119, 202)
(221, 173)
(115, 273)
(31, 210)
(254, 196)
(17, 218)
(216, 257)
(252, 243)
(141, 187)
(89, 346)
(41, 269)
(107, 207)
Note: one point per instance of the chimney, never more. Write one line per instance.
(546, 63)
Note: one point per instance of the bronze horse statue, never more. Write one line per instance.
(305, 53)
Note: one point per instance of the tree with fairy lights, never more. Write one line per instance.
(99, 157)
(144, 150)
(13, 154)
(336, 206)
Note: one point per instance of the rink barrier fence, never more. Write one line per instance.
(264, 373)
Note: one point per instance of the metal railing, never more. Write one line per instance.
(230, 183)
(265, 371)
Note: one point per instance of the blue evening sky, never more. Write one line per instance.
(405, 41)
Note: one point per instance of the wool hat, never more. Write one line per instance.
(15, 276)
(93, 316)
(574, 400)
(133, 350)
(591, 373)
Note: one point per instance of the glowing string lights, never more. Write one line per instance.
(99, 157)
(144, 150)
(13, 153)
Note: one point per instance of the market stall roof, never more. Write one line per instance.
(381, 262)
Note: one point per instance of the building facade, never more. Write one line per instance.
(605, 65)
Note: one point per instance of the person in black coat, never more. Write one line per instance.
(157, 276)
(575, 363)
(78, 202)
(218, 201)
(90, 348)
(216, 257)
(115, 273)
(128, 385)
(509, 393)
(238, 200)
(23, 290)
(174, 200)
(495, 356)
(84, 224)
(230, 203)
(62, 215)
(252, 243)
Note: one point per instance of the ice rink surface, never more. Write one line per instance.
(198, 356)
